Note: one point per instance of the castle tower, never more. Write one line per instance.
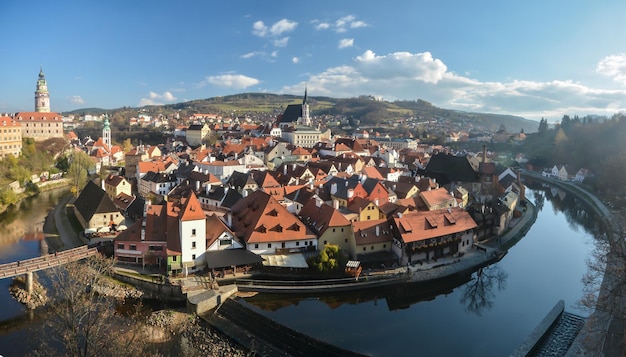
(42, 97)
(106, 132)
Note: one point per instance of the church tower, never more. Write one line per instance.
(42, 97)
(106, 132)
(306, 120)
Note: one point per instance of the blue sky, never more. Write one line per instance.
(529, 58)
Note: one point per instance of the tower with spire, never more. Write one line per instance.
(306, 120)
(42, 97)
(106, 132)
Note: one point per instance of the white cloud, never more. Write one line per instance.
(251, 54)
(340, 25)
(277, 29)
(613, 66)
(274, 54)
(281, 42)
(77, 99)
(157, 99)
(282, 27)
(259, 29)
(322, 26)
(346, 42)
(404, 75)
(357, 24)
(295, 60)
(235, 81)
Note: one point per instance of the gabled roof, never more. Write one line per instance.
(371, 232)
(291, 113)
(358, 204)
(259, 218)
(449, 168)
(114, 180)
(422, 225)
(191, 209)
(321, 217)
(92, 200)
(436, 197)
(214, 228)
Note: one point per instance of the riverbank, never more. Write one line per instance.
(47, 186)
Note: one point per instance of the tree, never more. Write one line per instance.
(84, 322)
(80, 162)
(329, 260)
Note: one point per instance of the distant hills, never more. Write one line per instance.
(367, 110)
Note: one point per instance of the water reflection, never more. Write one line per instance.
(480, 293)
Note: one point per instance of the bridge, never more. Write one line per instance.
(29, 266)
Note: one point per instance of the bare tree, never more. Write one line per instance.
(83, 322)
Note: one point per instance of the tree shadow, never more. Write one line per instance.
(479, 294)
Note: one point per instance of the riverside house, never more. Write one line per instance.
(429, 235)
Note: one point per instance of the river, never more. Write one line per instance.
(489, 314)
(21, 228)
(486, 314)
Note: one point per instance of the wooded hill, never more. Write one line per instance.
(364, 108)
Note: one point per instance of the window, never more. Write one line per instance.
(120, 246)
(368, 218)
(193, 232)
(297, 244)
(193, 245)
(133, 247)
(193, 257)
(256, 246)
(346, 240)
(159, 248)
(174, 258)
(342, 229)
(364, 249)
(333, 230)
(384, 245)
(325, 242)
(372, 248)
(269, 245)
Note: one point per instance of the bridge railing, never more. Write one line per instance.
(45, 261)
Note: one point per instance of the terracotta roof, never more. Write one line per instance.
(214, 228)
(321, 217)
(365, 232)
(436, 197)
(191, 209)
(38, 116)
(421, 225)
(259, 218)
(114, 180)
(155, 166)
(8, 121)
(372, 172)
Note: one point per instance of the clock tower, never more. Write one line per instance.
(42, 97)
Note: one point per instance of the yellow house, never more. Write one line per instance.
(329, 224)
(365, 209)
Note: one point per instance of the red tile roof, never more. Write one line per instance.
(421, 225)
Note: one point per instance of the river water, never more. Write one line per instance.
(489, 315)
(486, 314)
(21, 230)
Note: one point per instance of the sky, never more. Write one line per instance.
(534, 58)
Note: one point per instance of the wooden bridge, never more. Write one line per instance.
(29, 266)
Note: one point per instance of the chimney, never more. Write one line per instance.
(229, 218)
(377, 231)
(336, 204)
(284, 169)
(197, 185)
(333, 188)
(350, 193)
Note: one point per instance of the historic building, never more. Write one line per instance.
(42, 124)
(10, 137)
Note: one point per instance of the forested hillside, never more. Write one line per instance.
(598, 145)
